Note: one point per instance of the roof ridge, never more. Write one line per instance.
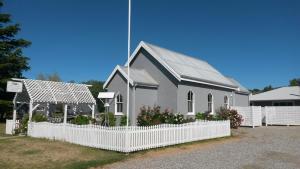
(175, 52)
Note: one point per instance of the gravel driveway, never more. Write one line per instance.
(258, 148)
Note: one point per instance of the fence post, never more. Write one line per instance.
(266, 115)
(252, 116)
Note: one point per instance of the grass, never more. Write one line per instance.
(27, 152)
(2, 130)
(45, 154)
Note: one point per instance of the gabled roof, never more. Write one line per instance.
(283, 93)
(137, 76)
(54, 92)
(241, 88)
(185, 68)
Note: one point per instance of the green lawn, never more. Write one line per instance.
(2, 130)
(26, 152)
(33, 153)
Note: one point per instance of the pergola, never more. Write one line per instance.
(36, 92)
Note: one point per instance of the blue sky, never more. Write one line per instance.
(255, 41)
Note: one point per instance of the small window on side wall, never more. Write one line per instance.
(226, 102)
(190, 102)
(119, 105)
(210, 103)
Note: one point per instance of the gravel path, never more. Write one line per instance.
(259, 148)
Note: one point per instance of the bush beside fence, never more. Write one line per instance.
(130, 139)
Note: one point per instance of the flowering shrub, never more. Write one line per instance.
(232, 115)
(152, 116)
(207, 116)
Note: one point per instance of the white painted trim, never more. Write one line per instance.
(148, 49)
(193, 103)
(201, 82)
(117, 68)
(212, 103)
(116, 108)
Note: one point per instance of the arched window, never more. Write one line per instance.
(119, 104)
(226, 103)
(190, 102)
(210, 103)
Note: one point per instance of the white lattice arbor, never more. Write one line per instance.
(39, 91)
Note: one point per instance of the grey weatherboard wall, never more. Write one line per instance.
(118, 84)
(167, 89)
(201, 96)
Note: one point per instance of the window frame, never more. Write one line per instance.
(118, 101)
(226, 102)
(210, 103)
(192, 101)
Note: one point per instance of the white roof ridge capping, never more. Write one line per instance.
(209, 75)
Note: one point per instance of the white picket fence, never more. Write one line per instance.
(130, 139)
(282, 115)
(252, 116)
(11, 126)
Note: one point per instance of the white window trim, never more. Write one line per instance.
(227, 103)
(116, 107)
(212, 103)
(193, 104)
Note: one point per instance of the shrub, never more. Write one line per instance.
(189, 120)
(123, 121)
(207, 116)
(232, 115)
(81, 120)
(23, 126)
(39, 117)
(200, 116)
(152, 116)
(149, 116)
(111, 118)
(178, 118)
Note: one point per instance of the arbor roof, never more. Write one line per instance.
(53, 92)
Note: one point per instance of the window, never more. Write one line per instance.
(190, 102)
(226, 105)
(210, 103)
(119, 104)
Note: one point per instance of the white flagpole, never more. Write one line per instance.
(128, 85)
(128, 66)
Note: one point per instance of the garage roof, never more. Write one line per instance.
(283, 93)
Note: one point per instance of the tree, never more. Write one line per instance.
(97, 86)
(12, 60)
(295, 82)
(52, 77)
(267, 88)
(41, 76)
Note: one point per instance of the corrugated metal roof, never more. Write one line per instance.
(140, 76)
(189, 67)
(241, 88)
(283, 93)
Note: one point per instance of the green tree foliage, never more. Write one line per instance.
(295, 82)
(265, 89)
(97, 86)
(12, 60)
(51, 77)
